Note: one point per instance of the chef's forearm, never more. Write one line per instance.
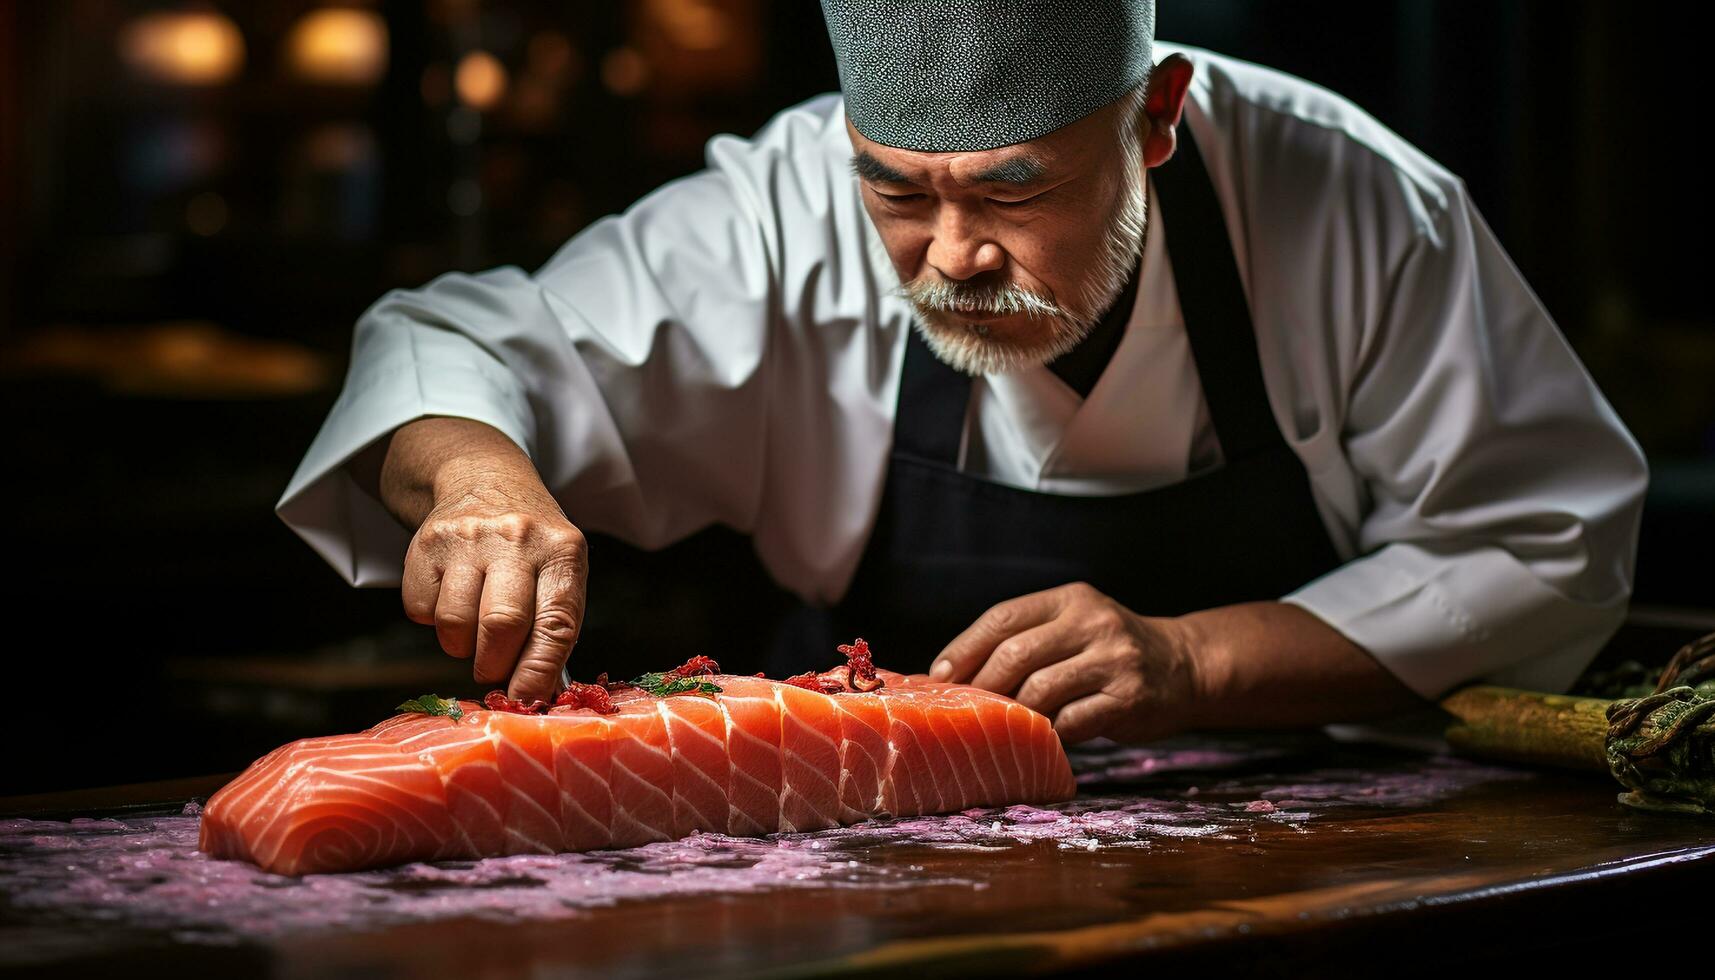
(432, 459)
(1275, 665)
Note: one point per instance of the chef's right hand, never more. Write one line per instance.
(495, 566)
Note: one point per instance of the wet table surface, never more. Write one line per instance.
(1235, 853)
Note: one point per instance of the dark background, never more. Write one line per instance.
(198, 199)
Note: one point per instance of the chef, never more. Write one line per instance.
(1159, 390)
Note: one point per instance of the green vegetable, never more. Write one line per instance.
(661, 686)
(432, 704)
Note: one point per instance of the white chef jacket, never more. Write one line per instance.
(729, 350)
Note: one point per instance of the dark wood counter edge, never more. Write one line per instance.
(112, 801)
(1094, 947)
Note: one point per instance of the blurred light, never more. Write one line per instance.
(624, 71)
(206, 214)
(182, 359)
(339, 46)
(550, 65)
(535, 103)
(695, 25)
(480, 80)
(339, 147)
(550, 56)
(464, 197)
(454, 11)
(185, 48)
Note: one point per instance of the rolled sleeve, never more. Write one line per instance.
(1504, 494)
(404, 367)
(1437, 621)
(634, 367)
(630, 368)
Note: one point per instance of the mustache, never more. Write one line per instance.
(943, 296)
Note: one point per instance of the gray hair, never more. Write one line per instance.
(1131, 110)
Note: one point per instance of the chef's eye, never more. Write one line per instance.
(900, 198)
(1014, 204)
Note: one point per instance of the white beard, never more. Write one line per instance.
(965, 345)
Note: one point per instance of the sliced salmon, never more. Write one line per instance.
(761, 757)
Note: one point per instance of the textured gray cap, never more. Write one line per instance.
(942, 75)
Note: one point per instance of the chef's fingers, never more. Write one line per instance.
(1058, 684)
(559, 618)
(420, 586)
(963, 657)
(456, 609)
(1022, 654)
(1087, 718)
(503, 622)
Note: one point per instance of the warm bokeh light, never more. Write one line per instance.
(338, 147)
(624, 71)
(551, 56)
(174, 359)
(534, 103)
(695, 25)
(183, 48)
(338, 46)
(480, 80)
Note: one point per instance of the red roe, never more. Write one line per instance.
(809, 680)
(498, 701)
(697, 666)
(861, 666)
(857, 674)
(592, 696)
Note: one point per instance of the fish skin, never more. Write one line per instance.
(762, 757)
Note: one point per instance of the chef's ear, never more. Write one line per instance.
(1165, 102)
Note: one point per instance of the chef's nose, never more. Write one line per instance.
(960, 250)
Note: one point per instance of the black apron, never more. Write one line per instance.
(947, 546)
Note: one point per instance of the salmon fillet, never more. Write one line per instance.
(760, 757)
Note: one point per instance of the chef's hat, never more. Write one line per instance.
(976, 74)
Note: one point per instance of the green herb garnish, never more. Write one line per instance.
(663, 685)
(432, 704)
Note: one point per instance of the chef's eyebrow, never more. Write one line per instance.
(1022, 169)
(876, 172)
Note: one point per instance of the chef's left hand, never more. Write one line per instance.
(1094, 667)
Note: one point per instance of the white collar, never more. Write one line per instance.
(1136, 426)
